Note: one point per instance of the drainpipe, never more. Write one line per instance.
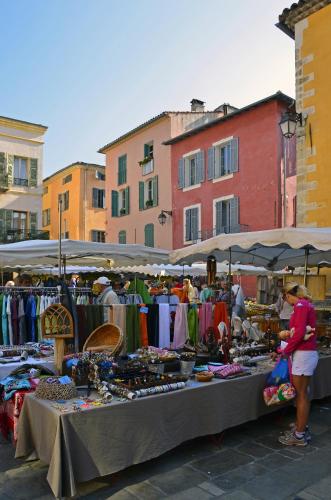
(85, 202)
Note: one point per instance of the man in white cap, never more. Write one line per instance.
(107, 295)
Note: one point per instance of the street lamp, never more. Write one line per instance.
(162, 218)
(288, 123)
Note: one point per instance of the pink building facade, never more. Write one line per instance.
(138, 178)
(227, 176)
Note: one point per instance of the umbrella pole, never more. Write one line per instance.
(306, 266)
(60, 237)
(230, 287)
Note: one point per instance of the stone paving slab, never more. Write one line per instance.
(244, 463)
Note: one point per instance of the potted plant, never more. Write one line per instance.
(122, 211)
(187, 363)
(149, 203)
(146, 160)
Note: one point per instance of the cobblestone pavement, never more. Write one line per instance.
(244, 463)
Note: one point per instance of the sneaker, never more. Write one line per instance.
(290, 439)
(307, 432)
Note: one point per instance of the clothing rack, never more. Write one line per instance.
(30, 288)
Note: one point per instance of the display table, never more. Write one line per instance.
(6, 369)
(103, 440)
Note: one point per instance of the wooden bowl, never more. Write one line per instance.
(204, 376)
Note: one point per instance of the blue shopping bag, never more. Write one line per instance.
(280, 374)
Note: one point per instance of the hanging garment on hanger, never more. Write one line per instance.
(193, 324)
(4, 321)
(181, 326)
(30, 313)
(21, 322)
(143, 325)
(10, 326)
(132, 328)
(164, 326)
(14, 319)
(153, 325)
(220, 314)
(205, 319)
(117, 316)
(1, 303)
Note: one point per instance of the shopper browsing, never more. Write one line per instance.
(107, 295)
(304, 359)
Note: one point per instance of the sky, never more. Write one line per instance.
(92, 70)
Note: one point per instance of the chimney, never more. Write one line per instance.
(197, 105)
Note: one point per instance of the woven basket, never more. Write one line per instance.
(55, 391)
(204, 376)
(107, 337)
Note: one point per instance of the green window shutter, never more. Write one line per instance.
(155, 191)
(127, 200)
(33, 222)
(33, 176)
(114, 203)
(3, 171)
(122, 237)
(2, 223)
(8, 220)
(149, 235)
(146, 150)
(122, 170)
(141, 195)
(10, 169)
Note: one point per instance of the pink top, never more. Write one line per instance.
(302, 316)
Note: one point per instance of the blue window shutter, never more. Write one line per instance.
(188, 236)
(234, 165)
(195, 223)
(33, 173)
(127, 200)
(155, 191)
(181, 173)
(234, 215)
(141, 195)
(218, 222)
(149, 235)
(201, 166)
(211, 163)
(114, 204)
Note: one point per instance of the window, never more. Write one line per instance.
(120, 202)
(21, 171)
(67, 179)
(98, 198)
(191, 170)
(122, 237)
(19, 221)
(64, 197)
(122, 170)
(98, 236)
(149, 193)
(45, 190)
(149, 235)
(148, 162)
(226, 215)
(46, 217)
(192, 223)
(65, 235)
(223, 159)
(100, 175)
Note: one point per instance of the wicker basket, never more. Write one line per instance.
(204, 376)
(107, 337)
(55, 391)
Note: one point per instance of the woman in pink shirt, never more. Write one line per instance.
(304, 359)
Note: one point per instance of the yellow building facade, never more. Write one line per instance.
(81, 188)
(309, 23)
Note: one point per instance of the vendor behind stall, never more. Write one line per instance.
(107, 294)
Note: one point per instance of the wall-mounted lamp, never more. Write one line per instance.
(162, 218)
(288, 123)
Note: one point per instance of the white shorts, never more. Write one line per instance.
(304, 363)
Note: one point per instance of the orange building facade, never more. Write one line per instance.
(81, 188)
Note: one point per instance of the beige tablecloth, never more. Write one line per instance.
(100, 441)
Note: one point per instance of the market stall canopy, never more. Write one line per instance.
(45, 252)
(273, 249)
(195, 270)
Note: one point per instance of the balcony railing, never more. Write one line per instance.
(14, 235)
(20, 182)
(205, 234)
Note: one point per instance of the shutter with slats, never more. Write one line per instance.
(8, 221)
(3, 171)
(33, 222)
(33, 173)
(211, 164)
(114, 204)
(103, 198)
(95, 197)
(149, 235)
(122, 237)
(146, 150)
(141, 195)
(187, 172)
(234, 215)
(10, 169)
(218, 214)
(155, 191)
(127, 200)
(195, 223)
(234, 165)
(181, 173)
(2, 223)
(200, 160)
(188, 236)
